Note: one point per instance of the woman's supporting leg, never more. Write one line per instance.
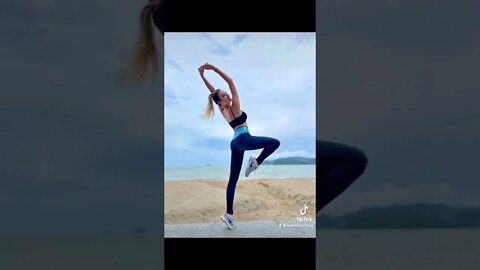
(338, 166)
(235, 168)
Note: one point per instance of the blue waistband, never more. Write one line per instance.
(240, 131)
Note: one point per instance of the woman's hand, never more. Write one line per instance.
(207, 66)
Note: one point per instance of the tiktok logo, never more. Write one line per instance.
(304, 210)
(304, 213)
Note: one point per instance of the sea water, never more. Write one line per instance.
(222, 173)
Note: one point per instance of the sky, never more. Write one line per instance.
(274, 74)
(82, 151)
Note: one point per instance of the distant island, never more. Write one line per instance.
(290, 161)
(404, 217)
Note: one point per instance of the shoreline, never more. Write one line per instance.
(240, 179)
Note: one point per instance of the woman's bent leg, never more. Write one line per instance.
(268, 144)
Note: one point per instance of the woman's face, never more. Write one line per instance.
(225, 99)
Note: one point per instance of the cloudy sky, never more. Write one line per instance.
(275, 76)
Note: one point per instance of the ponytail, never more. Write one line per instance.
(209, 111)
(145, 57)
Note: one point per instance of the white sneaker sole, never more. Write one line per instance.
(226, 223)
(250, 163)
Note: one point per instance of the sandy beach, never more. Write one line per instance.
(202, 201)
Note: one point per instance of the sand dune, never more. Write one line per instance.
(200, 201)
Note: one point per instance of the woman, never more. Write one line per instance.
(338, 165)
(242, 140)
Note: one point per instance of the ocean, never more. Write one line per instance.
(222, 173)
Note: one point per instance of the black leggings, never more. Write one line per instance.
(338, 166)
(239, 145)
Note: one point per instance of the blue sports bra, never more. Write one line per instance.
(238, 120)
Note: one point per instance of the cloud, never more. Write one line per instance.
(171, 98)
(237, 39)
(215, 47)
(173, 64)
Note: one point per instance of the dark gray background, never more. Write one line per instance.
(398, 79)
(82, 148)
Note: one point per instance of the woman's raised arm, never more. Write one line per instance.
(231, 84)
(207, 83)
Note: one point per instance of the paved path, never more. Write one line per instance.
(249, 229)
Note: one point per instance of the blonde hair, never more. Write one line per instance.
(145, 56)
(209, 111)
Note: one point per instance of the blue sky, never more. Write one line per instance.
(275, 77)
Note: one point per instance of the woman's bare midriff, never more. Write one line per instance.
(240, 126)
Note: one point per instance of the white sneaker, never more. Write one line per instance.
(252, 166)
(228, 220)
